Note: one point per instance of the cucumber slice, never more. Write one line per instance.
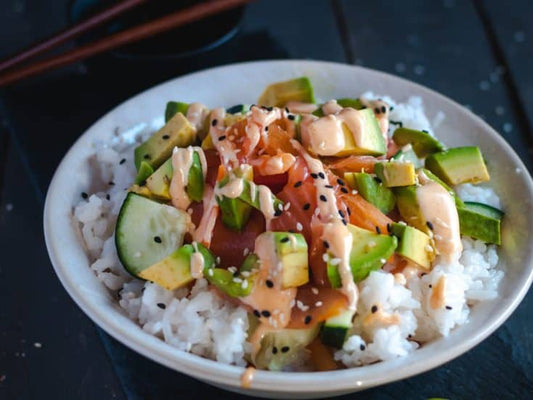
(281, 348)
(336, 328)
(147, 232)
(480, 221)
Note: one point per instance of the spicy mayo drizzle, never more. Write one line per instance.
(182, 159)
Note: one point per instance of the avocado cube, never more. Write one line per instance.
(413, 244)
(291, 249)
(480, 221)
(372, 191)
(422, 142)
(369, 252)
(407, 202)
(158, 148)
(280, 93)
(174, 107)
(459, 165)
(369, 142)
(396, 173)
(145, 170)
(174, 271)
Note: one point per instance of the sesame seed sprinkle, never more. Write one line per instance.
(298, 184)
(214, 122)
(285, 349)
(157, 239)
(162, 306)
(374, 309)
(221, 138)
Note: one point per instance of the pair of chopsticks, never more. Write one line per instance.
(165, 23)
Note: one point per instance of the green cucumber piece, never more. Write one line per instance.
(147, 232)
(422, 142)
(335, 329)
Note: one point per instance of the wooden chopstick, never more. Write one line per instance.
(174, 20)
(70, 33)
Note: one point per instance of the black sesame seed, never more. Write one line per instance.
(376, 110)
(291, 117)
(306, 206)
(362, 347)
(122, 161)
(291, 230)
(389, 227)
(236, 274)
(269, 108)
(84, 195)
(377, 179)
(221, 138)
(374, 309)
(429, 225)
(409, 336)
(166, 137)
(147, 156)
(265, 313)
(287, 110)
(326, 244)
(214, 122)
(266, 128)
(274, 350)
(314, 176)
(298, 184)
(285, 349)
(349, 211)
(108, 197)
(277, 213)
(157, 239)
(344, 222)
(341, 213)
(269, 283)
(363, 108)
(328, 186)
(344, 190)
(399, 123)
(391, 108)
(340, 182)
(423, 274)
(383, 109)
(448, 307)
(425, 131)
(323, 198)
(111, 183)
(257, 313)
(430, 286)
(307, 319)
(284, 240)
(321, 175)
(378, 230)
(162, 306)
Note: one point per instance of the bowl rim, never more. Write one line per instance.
(351, 379)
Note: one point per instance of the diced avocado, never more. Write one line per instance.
(422, 142)
(235, 211)
(238, 284)
(291, 248)
(159, 182)
(459, 165)
(207, 143)
(158, 148)
(369, 252)
(413, 244)
(291, 255)
(141, 190)
(369, 142)
(335, 329)
(395, 173)
(238, 109)
(372, 191)
(435, 178)
(280, 93)
(174, 271)
(407, 202)
(174, 107)
(480, 221)
(145, 170)
(147, 232)
(282, 347)
(407, 154)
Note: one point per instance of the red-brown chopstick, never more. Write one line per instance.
(179, 18)
(71, 33)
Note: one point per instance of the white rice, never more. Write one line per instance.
(201, 323)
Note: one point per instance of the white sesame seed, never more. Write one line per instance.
(299, 227)
(382, 260)
(189, 211)
(210, 272)
(325, 257)
(245, 251)
(244, 284)
(335, 261)
(318, 304)
(354, 191)
(314, 290)
(137, 254)
(232, 269)
(286, 207)
(237, 280)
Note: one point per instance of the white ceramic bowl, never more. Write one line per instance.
(242, 83)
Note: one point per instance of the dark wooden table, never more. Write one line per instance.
(476, 52)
